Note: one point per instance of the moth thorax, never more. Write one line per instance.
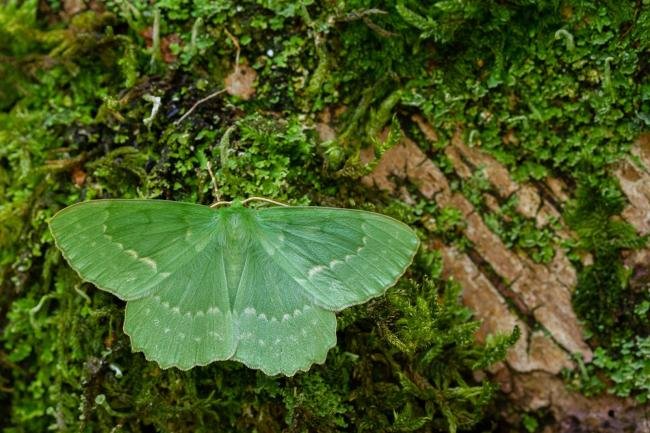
(236, 227)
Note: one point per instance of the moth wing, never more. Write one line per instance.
(161, 257)
(340, 257)
(187, 321)
(128, 247)
(280, 329)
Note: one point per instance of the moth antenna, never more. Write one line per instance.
(267, 200)
(220, 203)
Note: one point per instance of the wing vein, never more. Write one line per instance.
(390, 235)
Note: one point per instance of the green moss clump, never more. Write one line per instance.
(614, 310)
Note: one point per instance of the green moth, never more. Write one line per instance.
(259, 286)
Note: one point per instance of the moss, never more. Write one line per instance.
(614, 310)
(72, 107)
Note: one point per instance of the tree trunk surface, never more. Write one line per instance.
(507, 289)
